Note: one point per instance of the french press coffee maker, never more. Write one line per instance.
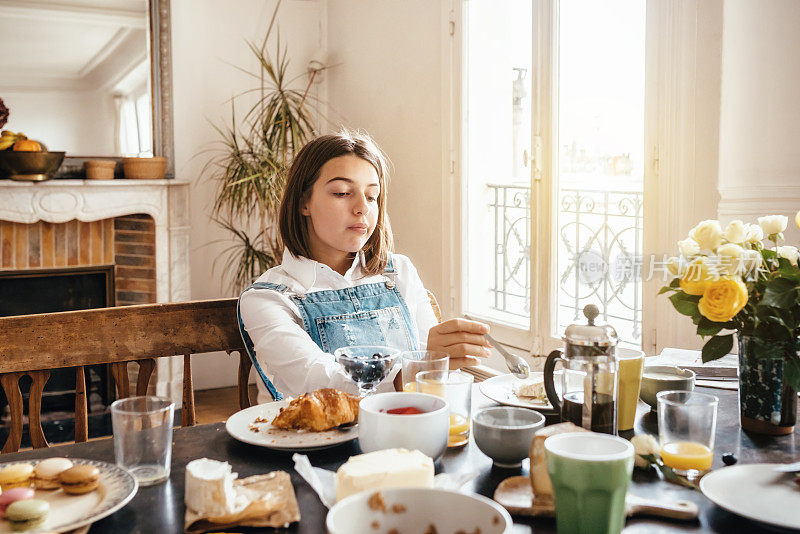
(589, 376)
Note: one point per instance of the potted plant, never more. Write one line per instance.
(250, 167)
(743, 280)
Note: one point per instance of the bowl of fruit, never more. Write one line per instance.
(25, 159)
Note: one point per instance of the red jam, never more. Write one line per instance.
(405, 410)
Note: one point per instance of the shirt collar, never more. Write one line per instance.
(304, 270)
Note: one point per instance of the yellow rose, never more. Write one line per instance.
(723, 299)
(695, 277)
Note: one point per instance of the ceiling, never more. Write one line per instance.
(70, 44)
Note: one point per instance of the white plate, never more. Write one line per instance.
(67, 512)
(501, 389)
(239, 426)
(756, 492)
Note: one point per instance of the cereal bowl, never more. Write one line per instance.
(417, 510)
(658, 378)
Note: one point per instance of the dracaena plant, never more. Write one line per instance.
(254, 155)
(741, 279)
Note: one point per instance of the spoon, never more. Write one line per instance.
(518, 367)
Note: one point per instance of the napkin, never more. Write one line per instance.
(323, 481)
(269, 502)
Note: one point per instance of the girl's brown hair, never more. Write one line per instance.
(304, 173)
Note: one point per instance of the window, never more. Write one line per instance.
(553, 165)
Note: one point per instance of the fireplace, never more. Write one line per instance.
(139, 226)
(30, 291)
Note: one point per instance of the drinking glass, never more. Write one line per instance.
(687, 421)
(366, 365)
(143, 437)
(456, 388)
(416, 361)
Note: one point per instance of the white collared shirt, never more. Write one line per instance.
(285, 351)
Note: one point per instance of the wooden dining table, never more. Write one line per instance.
(160, 509)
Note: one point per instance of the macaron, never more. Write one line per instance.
(16, 476)
(80, 479)
(28, 514)
(13, 495)
(46, 474)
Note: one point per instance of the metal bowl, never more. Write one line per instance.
(29, 166)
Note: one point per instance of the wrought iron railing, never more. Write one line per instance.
(599, 252)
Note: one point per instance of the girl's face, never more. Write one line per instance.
(342, 210)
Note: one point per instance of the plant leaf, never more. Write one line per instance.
(709, 328)
(685, 304)
(717, 347)
(781, 293)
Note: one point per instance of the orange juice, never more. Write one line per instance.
(686, 455)
(459, 430)
(410, 387)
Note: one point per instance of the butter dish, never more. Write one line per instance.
(216, 499)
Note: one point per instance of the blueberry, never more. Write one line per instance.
(729, 458)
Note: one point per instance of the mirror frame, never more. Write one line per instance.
(161, 97)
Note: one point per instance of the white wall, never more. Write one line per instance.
(80, 123)
(208, 43)
(387, 80)
(759, 163)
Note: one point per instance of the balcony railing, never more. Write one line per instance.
(599, 251)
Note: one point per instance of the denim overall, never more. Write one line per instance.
(368, 314)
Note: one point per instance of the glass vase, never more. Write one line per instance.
(767, 404)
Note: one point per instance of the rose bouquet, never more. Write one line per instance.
(743, 279)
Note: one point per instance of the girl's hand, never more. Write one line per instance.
(462, 339)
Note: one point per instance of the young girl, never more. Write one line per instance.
(339, 284)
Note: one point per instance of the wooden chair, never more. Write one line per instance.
(34, 344)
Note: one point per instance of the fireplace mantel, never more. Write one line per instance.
(166, 201)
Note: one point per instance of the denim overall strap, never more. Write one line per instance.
(248, 343)
(367, 314)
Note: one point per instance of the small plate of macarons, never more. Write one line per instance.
(60, 494)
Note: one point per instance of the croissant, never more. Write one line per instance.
(319, 410)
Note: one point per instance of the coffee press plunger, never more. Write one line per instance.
(589, 376)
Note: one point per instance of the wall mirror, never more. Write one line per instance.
(90, 77)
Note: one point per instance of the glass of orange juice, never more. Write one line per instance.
(687, 421)
(456, 388)
(416, 361)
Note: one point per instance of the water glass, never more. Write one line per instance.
(416, 361)
(366, 365)
(456, 388)
(143, 437)
(687, 421)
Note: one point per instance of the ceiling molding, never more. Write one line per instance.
(72, 13)
(109, 48)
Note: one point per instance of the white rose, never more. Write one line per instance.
(751, 260)
(689, 248)
(790, 253)
(708, 234)
(753, 233)
(644, 444)
(730, 256)
(734, 232)
(773, 224)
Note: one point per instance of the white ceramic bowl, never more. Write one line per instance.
(448, 511)
(426, 432)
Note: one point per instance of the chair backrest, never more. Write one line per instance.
(34, 344)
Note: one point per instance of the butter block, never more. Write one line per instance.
(540, 480)
(389, 468)
(209, 487)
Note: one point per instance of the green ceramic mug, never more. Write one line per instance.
(590, 474)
